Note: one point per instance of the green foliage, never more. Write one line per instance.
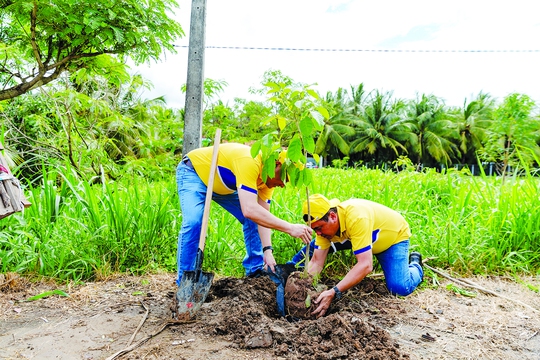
(77, 231)
(513, 128)
(382, 128)
(473, 122)
(340, 163)
(100, 128)
(211, 89)
(105, 208)
(300, 117)
(434, 131)
(41, 40)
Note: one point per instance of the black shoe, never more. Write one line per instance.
(416, 257)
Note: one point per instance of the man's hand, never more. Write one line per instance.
(303, 232)
(324, 300)
(269, 260)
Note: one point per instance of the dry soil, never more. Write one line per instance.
(130, 318)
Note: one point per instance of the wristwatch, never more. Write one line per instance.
(339, 294)
(268, 248)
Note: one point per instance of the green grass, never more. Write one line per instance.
(77, 231)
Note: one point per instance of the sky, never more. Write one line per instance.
(453, 49)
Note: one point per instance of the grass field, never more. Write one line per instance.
(74, 231)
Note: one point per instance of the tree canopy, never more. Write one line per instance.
(41, 39)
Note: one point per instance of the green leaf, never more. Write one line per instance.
(47, 294)
(294, 152)
(308, 301)
(268, 120)
(318, 118)
(309, 144)
(282, 122)
(460, 291)
(322, 110)
(313, 93)
(306, 127)
(255, 148)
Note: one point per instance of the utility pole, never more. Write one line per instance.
(195, 77)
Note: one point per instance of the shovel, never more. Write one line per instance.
(279, 277)
(195, 284)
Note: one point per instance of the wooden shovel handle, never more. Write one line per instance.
(210, 187)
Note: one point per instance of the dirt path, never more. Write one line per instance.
(240, 321)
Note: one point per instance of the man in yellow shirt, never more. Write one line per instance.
(239, 189)
(372, 229)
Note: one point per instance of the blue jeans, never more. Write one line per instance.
(401, 277)
(192, 194)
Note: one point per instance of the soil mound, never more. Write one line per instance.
(248, 316)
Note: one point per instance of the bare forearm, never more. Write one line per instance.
(354, 276)
(266, 219)
(316, 264)
(265, 235)
(258, 211)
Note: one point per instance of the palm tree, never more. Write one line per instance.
(334, 135)
(435, 131)
(342, 123)
(358, 99)
(472, 121)
(382, 132)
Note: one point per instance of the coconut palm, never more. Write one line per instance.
(472, 122)
(382, 132)
(358, 100)
(435, 132)
(342, 123)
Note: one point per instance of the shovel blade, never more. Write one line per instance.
(192, 292)
(284, 270)
(279, 277)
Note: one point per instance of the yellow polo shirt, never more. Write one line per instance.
(369, 226)
(237, 170)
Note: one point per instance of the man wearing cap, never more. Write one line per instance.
(372, 229)
(239, 189)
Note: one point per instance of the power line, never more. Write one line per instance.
(369, 50)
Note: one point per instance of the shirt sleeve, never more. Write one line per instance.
(321, 243)
(360, 233)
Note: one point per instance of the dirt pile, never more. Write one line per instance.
(249, 318)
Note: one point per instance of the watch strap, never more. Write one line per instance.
(339, 294)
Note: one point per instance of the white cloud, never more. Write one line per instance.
(364, 25)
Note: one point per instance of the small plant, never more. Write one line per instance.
(341, 163)
(459, 291)
(403, 163)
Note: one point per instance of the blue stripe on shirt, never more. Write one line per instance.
(375, 235)
(228, 177)
(247, 188)
(359, 251)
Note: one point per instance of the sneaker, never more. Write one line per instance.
(416, 257)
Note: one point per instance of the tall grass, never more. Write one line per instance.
(78, 231)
